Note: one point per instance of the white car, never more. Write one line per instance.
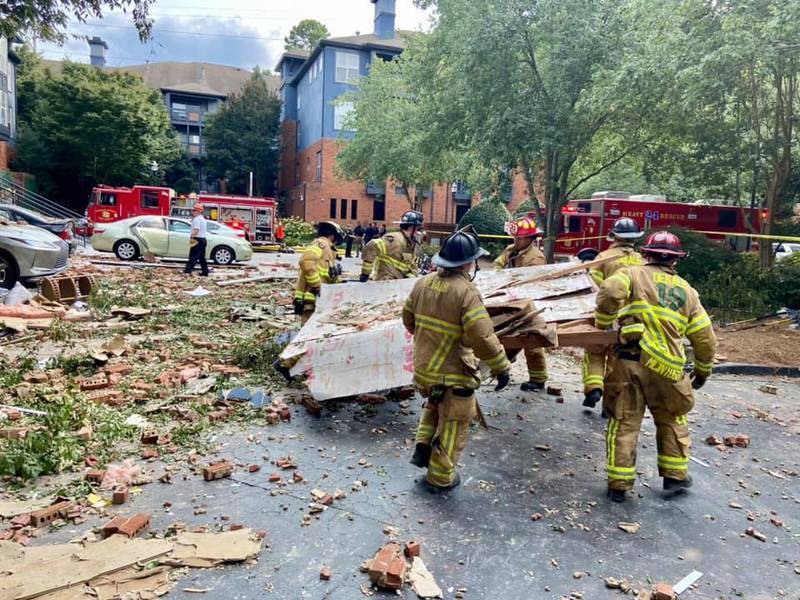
(165, 237)
(785, 249)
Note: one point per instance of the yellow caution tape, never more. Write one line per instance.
(779, 238)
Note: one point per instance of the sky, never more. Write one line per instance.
(240, 33)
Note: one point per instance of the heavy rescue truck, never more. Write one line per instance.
(583, 230)
(254, 216)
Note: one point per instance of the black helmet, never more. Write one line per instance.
(458, 249)
(411, 218)
(626, 229)
(326, 228)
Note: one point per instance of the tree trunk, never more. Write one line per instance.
(553, 195)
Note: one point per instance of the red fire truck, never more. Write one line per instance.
(585, 225)
(254, 216)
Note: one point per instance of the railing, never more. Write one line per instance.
(13, 193)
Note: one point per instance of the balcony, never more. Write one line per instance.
(461, 193)
(187, 116)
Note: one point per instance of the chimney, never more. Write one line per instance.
(97, 52)
(384, 18)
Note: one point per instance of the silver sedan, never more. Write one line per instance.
(28, 253)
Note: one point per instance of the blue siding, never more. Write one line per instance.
(334, 90)
(310, 114)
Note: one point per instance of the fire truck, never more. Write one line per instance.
(584, 228)
(254, 216)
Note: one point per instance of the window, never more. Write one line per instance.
(149, 199)
(179, 227)
(399, 190)
(298, 134)
(353, 210)
(378, 210)
(108, 199)
(332, 214)
(340, 114)
(299, 104)
(315, 70)
(194, 139)
(319, 166)
(343, 211)
(151, 223)
(727, 219)
(347, 67)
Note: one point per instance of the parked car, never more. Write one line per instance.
(165, 237)
(63, 228)
(28, 253)
(785, 249)
(225, 230)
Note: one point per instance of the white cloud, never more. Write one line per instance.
(194, 30)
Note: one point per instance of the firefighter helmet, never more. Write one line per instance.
(459, 249)
(664, 244)
(411, 218)
(328, 228)
(523, 227)
(625, 229)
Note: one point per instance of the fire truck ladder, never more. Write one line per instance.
(13, 193)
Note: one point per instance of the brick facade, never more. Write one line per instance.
(6, 154)
(309, 197)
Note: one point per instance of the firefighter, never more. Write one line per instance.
(623, 235)
(655, 309)
(524, 253)
(392, 256)
(318, 265)
(452, 330)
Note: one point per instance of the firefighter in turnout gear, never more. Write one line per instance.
(318, 265)
(623, 235)
(392, 256)
(524, 253)
(452, 331)
(655, 309)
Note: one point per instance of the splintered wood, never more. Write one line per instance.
(355, 342)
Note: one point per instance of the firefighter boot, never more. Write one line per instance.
(617, 495)
(674, 486)
(532, 386)
(536, 361)
(592, 398)
(436, 489)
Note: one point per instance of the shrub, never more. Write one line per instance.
(487, 217)
(298, 232)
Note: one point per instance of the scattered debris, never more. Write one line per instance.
(629, 527)
(769, 389)
(754, 533)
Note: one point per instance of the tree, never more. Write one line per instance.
(243, 137)
(306, 35)
(389, 141)
(84, 126)
(47, 19)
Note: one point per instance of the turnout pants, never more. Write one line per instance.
(536, 360)
(629, 388)
(594, 368)
(445, 426)
(197, 253)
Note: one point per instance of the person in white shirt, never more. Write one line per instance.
(197, 242)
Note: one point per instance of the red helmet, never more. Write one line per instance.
(664, 243)
(523, 227)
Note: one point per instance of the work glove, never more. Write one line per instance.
(316, 291)
(364, 278)
(335, 271)
(298, 306)
(698, 381)
(503, 379)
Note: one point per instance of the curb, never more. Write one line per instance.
(759, 370)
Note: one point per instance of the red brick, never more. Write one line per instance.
(107, 396)
(13, 433)
(412, 549)
(325, 573)
(297, 477)
(95, 475)
(12, 414)
(36, 377)
(286, 414)
(555, 390)
(96, 382)
(21, 520)
(395, 574)
(254, 468)
(150, 437)
(120, 496)
(663, 591)
(273, 418)
(6, 535)
(218, 415)
(47, 515)
(21, 538)
(326, 500)
(121, 368)
(149, 453)
(275, 478)
(217, 471)
(380, 563)
(235, 527)
(143, 387)
(91, 461)
(740, 440)
(135, 525)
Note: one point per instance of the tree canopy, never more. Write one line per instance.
(243, 137)
(47, 19)
(83, 126)
(306, 35)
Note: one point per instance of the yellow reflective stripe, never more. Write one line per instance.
(381, 244)
(315, 250)
(698, 324)
(441, 354)
(626, 281)
(446, 379)
(440, 471)
(632, 328)
(450, 328)
(593, 380)
(612, 475)
(657, 351)
(702, 366)
(597, 275)
(474, 315)
(425, 431)
(498, 363)
(604, 320)
(682, 419)
(453, 436)
(398, 264)
(611, 441)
